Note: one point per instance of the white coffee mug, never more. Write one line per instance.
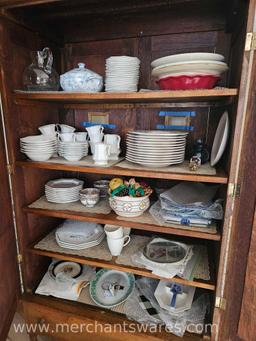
(101, 153)
(81, 136)
(116, 245)
(64, 128)
(67, 137)
(112, 139)
(114, 231)
(48, 129)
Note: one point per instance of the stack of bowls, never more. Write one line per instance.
(38, 147)
(122, 74)
(188, 71)
(73, 151)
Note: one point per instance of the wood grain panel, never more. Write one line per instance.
(247, 328)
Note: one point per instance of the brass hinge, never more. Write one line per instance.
(234, 190)
(250, 42)
(9, 168)
(220, 302)
(19, 258)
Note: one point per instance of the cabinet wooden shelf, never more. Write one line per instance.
(65, 254)
(220, 177)
(62, 97)
(147, 223)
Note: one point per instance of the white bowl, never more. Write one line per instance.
(73, 157)
(39, 157)
(129, 206)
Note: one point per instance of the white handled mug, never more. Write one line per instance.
(64, 128)
(114, 231)
(67, 137)
(101, 153)
(112, 139)
(116, 245)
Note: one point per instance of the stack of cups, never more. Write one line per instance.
(116, 239)
(100, 151)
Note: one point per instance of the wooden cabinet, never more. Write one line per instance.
(91, 31)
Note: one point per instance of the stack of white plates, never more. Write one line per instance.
(63, 191)
(38, 147)
(78, 235)
(122, 74)
(189, 63)
(156, 148)
(73, 151)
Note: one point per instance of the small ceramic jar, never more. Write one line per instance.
(81, 80)
(89, 197)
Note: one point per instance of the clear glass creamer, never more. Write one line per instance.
(40, 75)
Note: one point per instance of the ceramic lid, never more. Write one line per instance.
(82, 70)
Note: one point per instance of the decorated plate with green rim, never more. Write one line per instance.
(111, 287)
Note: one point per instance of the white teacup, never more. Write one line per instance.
(64, 128)
(114, 231)
(67, 137)
(101, 153)
(81, 136)
(48, 129)
(116, 245)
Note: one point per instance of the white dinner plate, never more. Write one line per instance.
(64, 183)
(193, 62)
(153, 148)
(158, 133)
(152, 154)
(154, 164)
(182, 57)
(189, 67)
(155, 160)
(220, 139)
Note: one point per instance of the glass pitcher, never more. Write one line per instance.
(40, 75)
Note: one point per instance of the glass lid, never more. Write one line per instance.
(164, 252)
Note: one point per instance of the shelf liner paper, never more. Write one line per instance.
(102, 207)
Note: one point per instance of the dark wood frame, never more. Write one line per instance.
(35, 109)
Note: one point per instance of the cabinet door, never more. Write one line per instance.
(240, 206)
(9, 279)
(247, 326)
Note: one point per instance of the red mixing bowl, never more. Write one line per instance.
(188, 82)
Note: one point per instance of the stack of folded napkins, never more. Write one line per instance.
(188, 203)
